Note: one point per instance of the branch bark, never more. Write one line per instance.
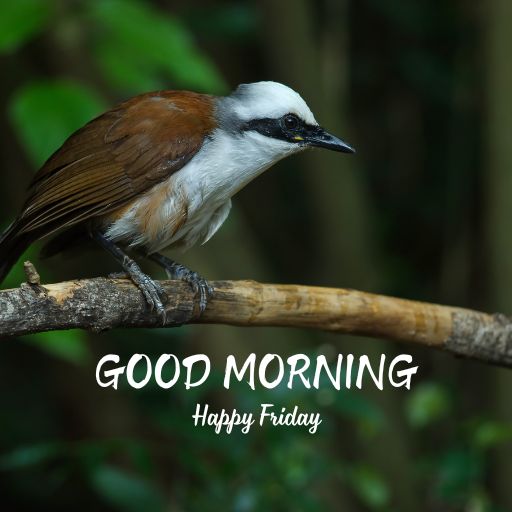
(101, 304)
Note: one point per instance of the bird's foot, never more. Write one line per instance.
(200, 286)
(153, 292)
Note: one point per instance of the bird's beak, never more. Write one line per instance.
(321, 139)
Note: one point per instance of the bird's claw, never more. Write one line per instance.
(153, 293)
(201, 287)
(155, 296)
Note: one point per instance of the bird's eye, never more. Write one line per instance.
(291, 122)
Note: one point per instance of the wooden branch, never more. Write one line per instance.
(101, 304)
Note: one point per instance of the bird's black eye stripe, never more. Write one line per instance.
(289, 127)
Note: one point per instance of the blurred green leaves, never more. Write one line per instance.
(489, 433)
(126, 492)
(28, 456)
(427, 403)
(20, 20)
(369, 486)
(233, 21)
(138, 48)
(122, 489)
(460, 471)
(68, 345)
(45, 113)
(365, 414)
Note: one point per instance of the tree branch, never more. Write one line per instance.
(101, 304)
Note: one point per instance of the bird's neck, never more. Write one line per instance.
(228, 162)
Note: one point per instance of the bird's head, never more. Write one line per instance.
(274, 115)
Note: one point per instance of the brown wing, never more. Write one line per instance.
(116, 157)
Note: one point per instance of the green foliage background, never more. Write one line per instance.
(422, 90)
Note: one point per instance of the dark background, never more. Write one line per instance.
(423, 90)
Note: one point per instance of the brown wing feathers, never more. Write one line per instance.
(109, 162)
(115, 158)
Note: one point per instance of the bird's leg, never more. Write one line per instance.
(152, 291)
(175, 270)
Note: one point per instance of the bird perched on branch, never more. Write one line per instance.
(158, 171)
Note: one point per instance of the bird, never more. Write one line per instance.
(158, 171)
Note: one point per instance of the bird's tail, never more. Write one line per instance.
(12, 246)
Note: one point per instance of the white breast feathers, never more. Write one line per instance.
(192, 204)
